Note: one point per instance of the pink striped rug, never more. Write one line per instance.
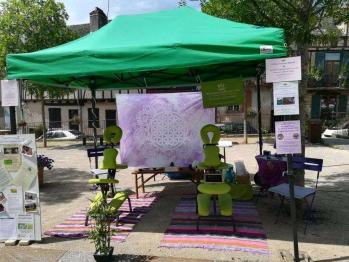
(216, 232)
(74, 226)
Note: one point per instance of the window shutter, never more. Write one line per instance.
(342, 103)
(315, 106)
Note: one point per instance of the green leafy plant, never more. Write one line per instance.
(342, 76)
(100, 234)
(251, 113)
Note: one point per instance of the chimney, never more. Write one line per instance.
(97, 19)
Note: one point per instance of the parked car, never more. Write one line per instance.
(62, 135)
(341, 130)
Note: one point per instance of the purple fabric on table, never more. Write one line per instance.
(270, 171)
(162, 128)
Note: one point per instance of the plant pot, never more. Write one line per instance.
(104, 258)
(41, 175)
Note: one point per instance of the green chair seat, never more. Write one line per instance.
(103, 181)
(214, 188)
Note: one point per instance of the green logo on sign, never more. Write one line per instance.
(225, 92)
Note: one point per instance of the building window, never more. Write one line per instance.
(110, 118)
(332, 67)
(74, 119)
(54, 118)
(233, 108)
(90, 118)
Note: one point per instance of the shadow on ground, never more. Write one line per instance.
(330, 209)
(63, 185)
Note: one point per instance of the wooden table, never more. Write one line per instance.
(140, 181)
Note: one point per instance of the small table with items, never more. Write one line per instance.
(270, 170)
(140, 181)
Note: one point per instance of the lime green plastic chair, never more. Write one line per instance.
(210, 135)
(211, 150)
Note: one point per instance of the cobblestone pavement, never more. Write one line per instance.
(65, 191)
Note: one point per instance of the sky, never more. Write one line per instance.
(79, 10)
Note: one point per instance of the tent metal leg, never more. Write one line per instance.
(94, 122)
(260, 137)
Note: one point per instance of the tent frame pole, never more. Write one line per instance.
(94, 119)
(260, 136)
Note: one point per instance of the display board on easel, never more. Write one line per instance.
(20, 216)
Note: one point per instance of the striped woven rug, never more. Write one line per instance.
(216, 232)
(74, 226)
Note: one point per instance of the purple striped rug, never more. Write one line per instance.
(216, 232)
(74, 226)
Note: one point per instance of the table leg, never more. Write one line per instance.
(136, 185)
(142, 177)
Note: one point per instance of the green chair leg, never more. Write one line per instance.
(204, 204)
(225, 204)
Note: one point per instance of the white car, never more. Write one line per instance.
(62, 135)
(337, 131)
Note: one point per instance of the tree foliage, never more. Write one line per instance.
(304, 21)
(31, 25)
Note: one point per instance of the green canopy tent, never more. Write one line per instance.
(162, 49)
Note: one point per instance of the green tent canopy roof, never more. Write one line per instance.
(171, 47)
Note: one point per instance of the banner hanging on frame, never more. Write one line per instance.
(286, 99)
(225, 92)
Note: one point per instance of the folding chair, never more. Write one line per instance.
(306, 193)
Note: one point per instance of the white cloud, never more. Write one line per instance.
(79, 10)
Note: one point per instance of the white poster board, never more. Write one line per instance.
(9, 93)
(19, 189)
(288, 137)
(286, 99)
(283, 69)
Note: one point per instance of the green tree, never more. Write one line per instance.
(305, 22)
(31, 25)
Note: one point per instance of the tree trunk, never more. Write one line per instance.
(43, 119)
(303, 116)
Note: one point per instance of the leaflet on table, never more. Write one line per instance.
(5, 178)
(288, 137)
(286, 100)
(25, 226)
(14, 200)
(8, 228)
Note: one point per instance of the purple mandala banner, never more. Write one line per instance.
(162, 128)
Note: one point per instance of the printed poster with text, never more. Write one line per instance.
(286, 100)
(288, 137)
(19, 189)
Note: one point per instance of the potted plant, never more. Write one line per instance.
(42, 162)
(22, 123)
(314, 76)
(75, 120)
(251, 113)
(342, 76)
(100, 234)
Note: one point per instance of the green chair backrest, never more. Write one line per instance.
(112, 134)
(109, 158)
(210, 130)
(210, 135)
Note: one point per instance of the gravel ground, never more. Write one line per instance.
(66, 191)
